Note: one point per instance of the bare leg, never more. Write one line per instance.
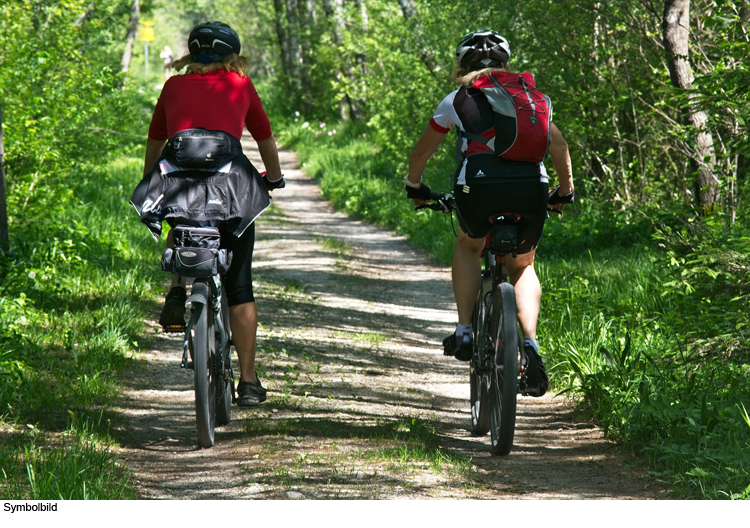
(528, 291)
(243, 319)
(466, 274)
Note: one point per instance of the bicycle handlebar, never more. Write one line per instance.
(446, 203)
(443, 202)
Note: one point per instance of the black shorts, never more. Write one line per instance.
(238, 282)
(527, 199)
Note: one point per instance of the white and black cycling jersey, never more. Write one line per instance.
(467, 109)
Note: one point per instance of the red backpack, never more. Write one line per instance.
(523, 116)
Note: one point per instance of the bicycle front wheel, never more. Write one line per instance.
(478, 379)
(222, 361)
(504, 376)
(202, 339)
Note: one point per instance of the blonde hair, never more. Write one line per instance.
(467, 77)
(231, 63)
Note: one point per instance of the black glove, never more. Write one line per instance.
(553, 198)
(276, 184)
(423, 193)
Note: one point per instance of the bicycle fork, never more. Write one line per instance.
(199, 295)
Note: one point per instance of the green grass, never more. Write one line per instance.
(81, 467)
(74, 288)
(335, 245)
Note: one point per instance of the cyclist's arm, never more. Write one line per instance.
(558, 151)
(270, 156)
(423, 151)
(153, 151)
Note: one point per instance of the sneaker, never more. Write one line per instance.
(536, 380)
(461, 352)
(172, 317)
(250, 394)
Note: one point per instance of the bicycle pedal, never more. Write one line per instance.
(188, 365)
(172, 329)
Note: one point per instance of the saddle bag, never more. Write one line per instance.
(196, 253)
(503, 238)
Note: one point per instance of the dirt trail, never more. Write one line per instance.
(362, 403)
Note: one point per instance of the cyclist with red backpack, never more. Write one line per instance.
(505, 131)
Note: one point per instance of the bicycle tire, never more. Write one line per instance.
(205, 386)
(224, 386)
(478, 380)
(504, 377)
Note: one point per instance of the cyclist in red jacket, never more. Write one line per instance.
(487, 184)
(215, 93)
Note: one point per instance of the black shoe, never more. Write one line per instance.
(461, 352)
(172, 317)
(535, 381)
(250, 394)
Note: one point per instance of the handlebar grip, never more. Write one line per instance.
(553, 198)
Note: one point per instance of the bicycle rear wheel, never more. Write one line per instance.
(202, 341)
(224, 387)
(478, 379)
(504, 377)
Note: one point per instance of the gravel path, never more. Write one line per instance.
(362, 403)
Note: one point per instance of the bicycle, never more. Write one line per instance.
(497, 366)
(207, 346)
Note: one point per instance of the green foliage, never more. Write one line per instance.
(72, 293)
(656, 343)
(72, 286)
(82, 468)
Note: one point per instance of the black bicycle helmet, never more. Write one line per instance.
(482, 49)
(212, 41)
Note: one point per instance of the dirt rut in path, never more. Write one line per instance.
(362, 403)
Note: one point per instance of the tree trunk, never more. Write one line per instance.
(3, 201)
(281, 35)
(408, 8)
(744, 6)
(307, 24)
(135, 15)
(675, 30)
(334, 10)
(292, 18)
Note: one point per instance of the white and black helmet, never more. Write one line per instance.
(482, 49)
(213, 38)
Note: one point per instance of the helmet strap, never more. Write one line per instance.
(205, 58)
(486, 63)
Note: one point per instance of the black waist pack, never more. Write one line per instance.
(202, 149)
(196, 253)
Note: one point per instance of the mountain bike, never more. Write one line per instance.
(207, 346)
(496, 368)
